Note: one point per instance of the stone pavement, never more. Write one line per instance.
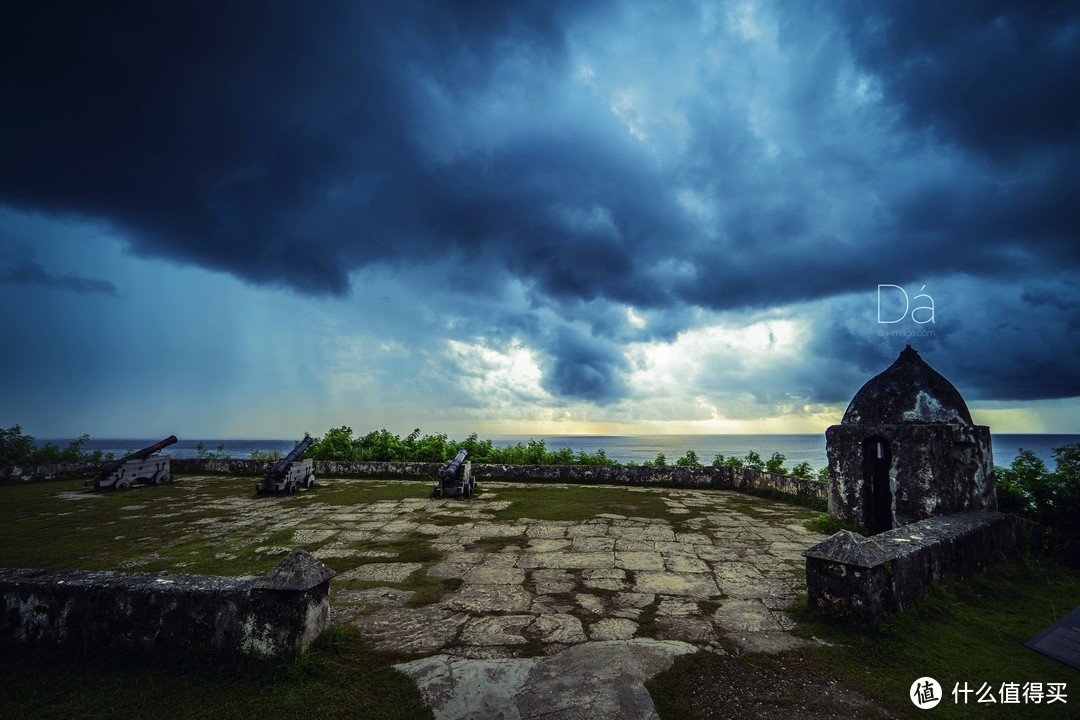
(560, 618)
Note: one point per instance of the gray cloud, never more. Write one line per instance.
(598, 158)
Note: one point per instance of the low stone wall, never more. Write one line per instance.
(725, 478)
(9, 475)
(863, 577)
(282, 611)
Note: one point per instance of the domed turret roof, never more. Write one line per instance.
(908, 392)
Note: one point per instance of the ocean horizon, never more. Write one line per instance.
(621, 448)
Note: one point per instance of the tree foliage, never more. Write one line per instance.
(384, 446)
(17, 449)
(1027, 487)
(690, 459)
(775, 464)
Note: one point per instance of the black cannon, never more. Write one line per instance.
(289, 473)
(138, 466)
(456, 478)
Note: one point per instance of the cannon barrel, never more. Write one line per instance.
(282, 466)
(449, 471)
(110, 467)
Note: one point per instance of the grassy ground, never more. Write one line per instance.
(339, 677)
(969, 632)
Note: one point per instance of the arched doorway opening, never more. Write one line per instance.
(877, 459)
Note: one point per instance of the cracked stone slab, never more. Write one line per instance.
(557, 628)
(546, 545)
(665, 583)
(410, 630)
(684, 564)
(488, 575)
(590, 603)
(598, 680)
(677, 607)
(382, 572)
(489, 598)
(387, 596)
(567, 561)
(639, 561)
(312, 537)
(552, 581)
(593, 544)
(496, 630)
(593, 680)
(546, 530)
(456, 687)
(449, 570)
(612, 629)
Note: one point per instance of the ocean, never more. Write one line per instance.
(622, 448)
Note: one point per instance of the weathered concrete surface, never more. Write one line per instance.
(595, 680)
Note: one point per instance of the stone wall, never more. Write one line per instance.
(863, 577)
(282, 611)
(726, 478)
(9, 475)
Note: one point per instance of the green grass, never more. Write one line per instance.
(812, 503)
(828, 525)
(501, 542)
(339, 677)
(579, 503)
(971, 631)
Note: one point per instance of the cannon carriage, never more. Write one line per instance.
(290, 473)
(140, 466)
(456, 478)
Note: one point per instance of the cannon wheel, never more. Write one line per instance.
(309, 481)
(466, 491)
(161, 478)
(123, 484)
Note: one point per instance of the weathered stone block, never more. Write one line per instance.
(282, 611)
(865, 577)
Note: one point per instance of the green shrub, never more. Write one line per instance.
(384, 446)
(1051, 499)
(775, 464)
(17, 449)
(690, 459)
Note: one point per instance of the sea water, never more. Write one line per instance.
(621, 448)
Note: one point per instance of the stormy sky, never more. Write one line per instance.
(255, 219)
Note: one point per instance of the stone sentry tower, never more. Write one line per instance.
(907, 449)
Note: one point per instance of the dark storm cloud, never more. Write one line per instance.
(584, 368)
(993, 340)
(293, 145)
(996, 77)
(28, 272)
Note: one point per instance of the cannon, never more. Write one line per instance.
(139, 466)
(289, 473)
(456, 478)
